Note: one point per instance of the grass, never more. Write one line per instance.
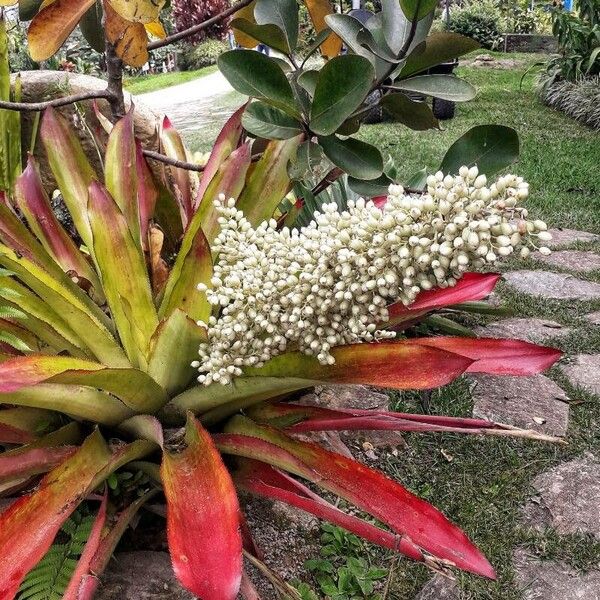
(158, 81)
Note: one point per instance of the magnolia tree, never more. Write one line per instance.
(181, 321)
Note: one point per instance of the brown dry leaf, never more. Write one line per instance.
(52, 26)
(318, 10)
(243, 39)
(129, 39)
(138, 11)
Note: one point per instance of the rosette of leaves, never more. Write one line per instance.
(384, 65)
(106, 381)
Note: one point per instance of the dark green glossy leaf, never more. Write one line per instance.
(28, 9)
(437, 48)
(256, 75)
(343, 84)
(368, 189)
(269, 122)
(357, 158)
(308, 80)
(319, 39)
(395, 24)
(347, 28)
(446, 87)
(92, 29)
(417, 8)
(416, 115)
(270, 34)
(490, 147)
(283, 14)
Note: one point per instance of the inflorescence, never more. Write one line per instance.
(330, 283)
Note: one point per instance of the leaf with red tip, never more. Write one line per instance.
(108, 543)
(229, 180)
(71, 168)
(172, 146)
(259, 478)
(29, 526)
(91, 547)
(498, 357)
(33, 462)
(224, 145)
(398, 365)
(470, 287)
(299, 418)
(121, 174)
(202, 517)
(23, 425)
(370, 490)
(35, 206)
(269, 181)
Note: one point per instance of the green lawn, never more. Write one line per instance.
(150, 83)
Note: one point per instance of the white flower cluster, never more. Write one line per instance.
(330, 283)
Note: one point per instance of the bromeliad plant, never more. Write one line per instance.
(113, 321)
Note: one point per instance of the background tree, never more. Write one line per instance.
(188, 13)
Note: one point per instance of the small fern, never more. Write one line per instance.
(49, 579)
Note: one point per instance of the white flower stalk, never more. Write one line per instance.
(330, 283)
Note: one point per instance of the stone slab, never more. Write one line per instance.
(567, 498)
(141, 576)
(528, 402)
(593, 318)
(552, 286)
(530, 330)
(583, 371)
(551, 580)
(439, 588)
(571, 260)
(566, 237)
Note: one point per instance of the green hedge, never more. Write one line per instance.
(203, 55)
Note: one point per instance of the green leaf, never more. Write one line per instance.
(490, 147)
(417, 180)
(348, 28)
(395, 25)
(28, 9)
(91, 27)
(417, 8)
(271, 35)
(283, 14)
(256, 75)
(343, 84)
(416, 115)
(437, 48)
(357, 158)
(308, 80)
(446, 87)
(269, 122)
(368, 189)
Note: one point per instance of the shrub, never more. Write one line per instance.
(481, 21)
(522, 20)
(203, 55)
(578, 99)
(188, 13)
(578, 36)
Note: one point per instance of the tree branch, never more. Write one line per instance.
(180, 35)
(180, 164)
(40, 106)
(114, 70)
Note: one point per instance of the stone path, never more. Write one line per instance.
(191, 105)
(566, 497)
